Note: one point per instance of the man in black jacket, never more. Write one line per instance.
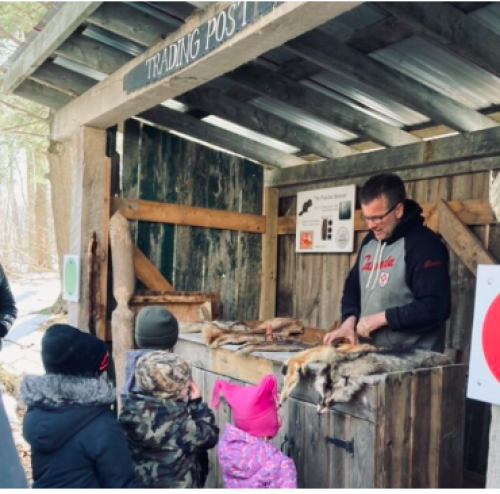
(398, 292)
(8, 310)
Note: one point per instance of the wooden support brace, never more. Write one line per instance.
(189, 215)
(148, 274)
(463, 242)
(473, 212)
(269, 255)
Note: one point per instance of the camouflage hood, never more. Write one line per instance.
(149, 420)
(165, 437)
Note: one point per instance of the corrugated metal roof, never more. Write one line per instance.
(250, 134)
(443, 71)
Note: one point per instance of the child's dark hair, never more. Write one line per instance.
(383, 184)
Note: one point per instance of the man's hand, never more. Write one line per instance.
(345, 331)
(368, 324)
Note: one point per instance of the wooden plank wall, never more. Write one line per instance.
(310, 287)
(160, 166)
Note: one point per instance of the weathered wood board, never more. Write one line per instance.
(159, 166)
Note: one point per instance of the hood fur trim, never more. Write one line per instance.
(57, 391)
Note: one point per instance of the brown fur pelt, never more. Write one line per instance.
(197, 327)
(347, 365)
(276, 346)
(216, 335)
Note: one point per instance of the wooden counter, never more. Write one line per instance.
(404, 429)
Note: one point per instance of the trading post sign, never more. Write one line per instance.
(196, 44)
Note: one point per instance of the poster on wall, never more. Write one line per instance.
(484, 367)
(325, 220)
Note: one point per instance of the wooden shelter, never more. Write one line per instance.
(201, 121)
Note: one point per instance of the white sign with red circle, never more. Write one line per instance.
(484, 369)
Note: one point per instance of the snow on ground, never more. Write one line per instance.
(21, 347)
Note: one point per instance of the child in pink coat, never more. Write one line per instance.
(246, 457)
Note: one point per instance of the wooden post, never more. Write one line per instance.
(103, 305)
(89, 167)
(269, 255)
(465, 244)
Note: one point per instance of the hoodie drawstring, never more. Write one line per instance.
(373, 264)
(377, 274)
(377, 260)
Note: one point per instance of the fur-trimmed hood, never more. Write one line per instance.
(60, 406)
(56, 391)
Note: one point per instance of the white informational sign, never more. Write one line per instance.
(484, 368)
(325, 220)
(71, 278)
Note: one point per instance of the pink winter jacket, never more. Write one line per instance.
(252, 463)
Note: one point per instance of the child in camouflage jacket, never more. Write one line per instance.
(166, 423)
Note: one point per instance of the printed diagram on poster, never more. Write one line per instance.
(325, 220)
(484, 368)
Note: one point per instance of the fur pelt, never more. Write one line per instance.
(347, 365)
(197, 327)
(216, 335)
(276, 346)
(56, 391)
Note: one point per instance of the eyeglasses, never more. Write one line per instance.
(376, 220)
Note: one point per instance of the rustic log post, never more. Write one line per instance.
(122, 318)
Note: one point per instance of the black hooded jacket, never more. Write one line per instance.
(76, 440)
(405, 276)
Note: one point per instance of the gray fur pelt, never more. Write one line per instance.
(55, 391)
(342, 378)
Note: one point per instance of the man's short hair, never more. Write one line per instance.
(383, 184)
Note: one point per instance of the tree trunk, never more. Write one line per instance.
(31, 205)
(59, 156)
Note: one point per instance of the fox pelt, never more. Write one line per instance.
(347, 365)
(216, 335)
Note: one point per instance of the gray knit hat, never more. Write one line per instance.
(156, 328)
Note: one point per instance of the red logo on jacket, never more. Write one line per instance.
(387, 263)
(432, 264)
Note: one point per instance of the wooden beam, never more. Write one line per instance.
(93, 54)
(146, 272)
(269, 83)
(339, 58)
(41, 94)
(211, 134)
(107, 103)
(378, 35)
(188, 215)
(131, 23)
(473, 212)
(216, 103)
(269, 256)
(62, 79)
(421, 172)
(60, 27)
(446, 151)
(463, 242)
(106, 215)
(450, 27)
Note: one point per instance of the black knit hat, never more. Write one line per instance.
(67, 350)
(156, 328)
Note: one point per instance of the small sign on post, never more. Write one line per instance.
(484, 368)
(325, 220)
(71, 278)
